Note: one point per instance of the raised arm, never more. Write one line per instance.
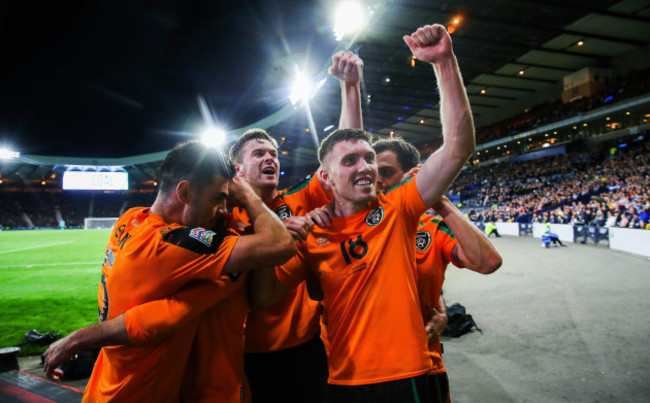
(473, 250)
(432, 44)
(348, 68)
(271, 244)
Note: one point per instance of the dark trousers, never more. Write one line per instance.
(419, 389)
(294, 375)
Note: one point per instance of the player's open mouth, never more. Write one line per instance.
(268, 171)
(363, 182)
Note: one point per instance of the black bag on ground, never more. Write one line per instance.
(80, 367)
(458, 321)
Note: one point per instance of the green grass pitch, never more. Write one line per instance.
(48, 281)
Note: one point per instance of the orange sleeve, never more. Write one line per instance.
(148, 321)
(446, 239)
(192, 259)
(407, 196)
(306, 196)
(293, 272)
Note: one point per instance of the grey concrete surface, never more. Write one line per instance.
(559, 325)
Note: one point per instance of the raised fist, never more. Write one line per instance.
(346, 67)
(430, 43)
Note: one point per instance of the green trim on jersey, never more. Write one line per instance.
(442, 226)
(405, 181)
(298, 187)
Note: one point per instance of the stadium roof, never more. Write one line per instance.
(116, 79)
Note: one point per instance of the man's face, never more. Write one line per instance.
(259, 164)
(206, 206)
(351, 169)
(390, 170)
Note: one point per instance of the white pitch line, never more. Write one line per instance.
(35, 247)
(53, 264)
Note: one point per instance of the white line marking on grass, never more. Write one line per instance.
(35, 247)
(54, 264)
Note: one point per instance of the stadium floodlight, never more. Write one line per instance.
(7, 154)
(213, 137)
(349, 18)
(301, 90)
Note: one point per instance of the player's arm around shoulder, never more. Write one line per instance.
(270, 245)
(432, 44)
(270, 284)
(473, 250)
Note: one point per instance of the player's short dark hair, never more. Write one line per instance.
(195, 162)
(250, 134)
(407, 155)
(339, 135)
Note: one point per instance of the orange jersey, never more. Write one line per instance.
(145, 260)
(219, 309)
(365, 264)
(215, 370)
(433, 246)
(294, 319)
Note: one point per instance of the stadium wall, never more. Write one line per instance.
(635, 241)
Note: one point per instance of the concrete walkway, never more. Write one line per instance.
(559, 325)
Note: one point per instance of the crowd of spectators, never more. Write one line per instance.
(605, 186)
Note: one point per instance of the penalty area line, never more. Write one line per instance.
(35, 247)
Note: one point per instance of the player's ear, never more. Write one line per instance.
(323, 175)
(237, 168)
(183, 191)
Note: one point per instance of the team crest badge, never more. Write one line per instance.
(422, 241)
(202, 235)
(375, 217)
(283, 212)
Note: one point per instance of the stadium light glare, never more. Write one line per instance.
(213, 137)
(7, 154)
(349, 18)
(301, 90)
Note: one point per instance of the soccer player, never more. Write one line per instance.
(152, 253)
(438, 242)
(364, 261)
(286, 335)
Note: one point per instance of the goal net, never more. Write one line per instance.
(99, 222)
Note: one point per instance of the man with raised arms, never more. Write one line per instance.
(365, 263)
(438, 242)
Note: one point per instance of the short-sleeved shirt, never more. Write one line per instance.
(146, 260)
(433, 246)
(365, 264)
(294, 319)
